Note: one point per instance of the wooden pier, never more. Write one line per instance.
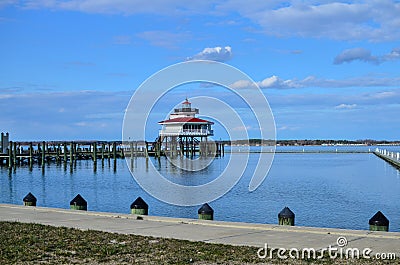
(42, 152)
(190, 147)
(29, 153)
(392, 158)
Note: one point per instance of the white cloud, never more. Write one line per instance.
(242, 84)
(346, 106)
(365, 55)
(393, 55)
(287, 128)
(350, 20)
(384, 95)
(221, 54)
(371, 20)
(124, 7)
(354, 54)
(269, 81)
(275, 82)
(287, 103)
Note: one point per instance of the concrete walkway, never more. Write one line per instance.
(206, 231)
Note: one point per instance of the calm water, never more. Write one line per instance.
(323, 190)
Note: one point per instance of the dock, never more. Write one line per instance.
(231, 233)
(13, 153)
(188, 148)
(392, 158)
(42, 152)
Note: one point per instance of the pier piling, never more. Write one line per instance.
(95, 152)
(114, 147)
(43, 153)
(30, 159)
(71, 152)
(14, 153)
(65, 150)
(10, 155)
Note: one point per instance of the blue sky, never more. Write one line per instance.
(330, 70)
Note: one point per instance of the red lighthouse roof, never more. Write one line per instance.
(186, 120)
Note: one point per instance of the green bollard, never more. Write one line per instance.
(29, 200)
(78, 203)
(206, 212)
(379, 222)
(139, 206)
(286, 217)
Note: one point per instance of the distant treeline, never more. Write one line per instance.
(310, 142)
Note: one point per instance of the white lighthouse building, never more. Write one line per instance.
(183, 122)
(183, 133)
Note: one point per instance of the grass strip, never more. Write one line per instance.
(22, 243)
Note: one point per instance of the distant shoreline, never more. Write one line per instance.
(260, 142)
(243, 142)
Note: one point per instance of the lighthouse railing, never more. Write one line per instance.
(192, 110)
(188, 132)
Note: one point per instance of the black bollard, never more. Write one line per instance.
(30, 200)
(206, 212)
(379, 222)
(139, 206)
(286, 217)
(78, 203)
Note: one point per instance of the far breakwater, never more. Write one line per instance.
(392, 158)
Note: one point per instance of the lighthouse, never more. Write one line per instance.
(185, 134)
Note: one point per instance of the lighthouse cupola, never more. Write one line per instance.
(186, 104)
(185, 110)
